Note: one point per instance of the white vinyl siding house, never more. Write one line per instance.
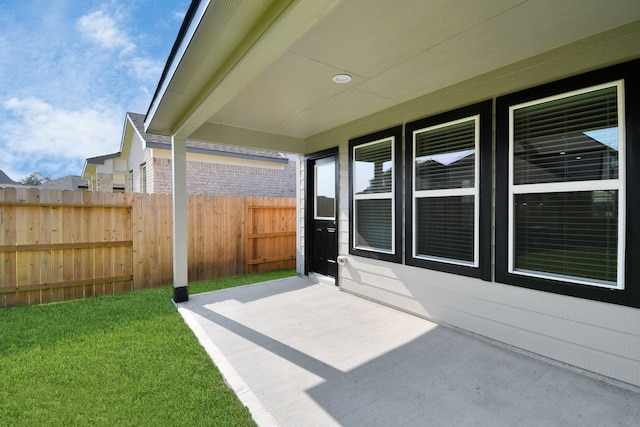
(485, 164)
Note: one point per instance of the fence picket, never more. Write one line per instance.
(57, 246)
(270, 237)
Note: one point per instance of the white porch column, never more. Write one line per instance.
(180, 270)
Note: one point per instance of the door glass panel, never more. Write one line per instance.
(325, 191)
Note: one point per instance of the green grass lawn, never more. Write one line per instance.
(125, 359)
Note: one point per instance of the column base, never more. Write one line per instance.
(180, 294)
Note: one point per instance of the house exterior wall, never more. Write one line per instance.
(138, 155)
(214, 175)
(162, 175)
(597, 337)
(104, 182)
(92, 184)
(300, 206)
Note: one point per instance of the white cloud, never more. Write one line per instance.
(69, 73)
(145, 69)
(56, 141)
(103, 30)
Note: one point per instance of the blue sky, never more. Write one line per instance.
(70, 70)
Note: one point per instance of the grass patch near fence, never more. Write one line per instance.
(125, 359)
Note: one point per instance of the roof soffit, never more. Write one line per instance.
(402, 50)
(277, 79)
(228, 50)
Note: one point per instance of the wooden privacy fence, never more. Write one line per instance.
(62, 245)
(271, 234)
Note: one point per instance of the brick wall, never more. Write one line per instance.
(227, 180)
(208, 177)
(104, 182)
(162, 175)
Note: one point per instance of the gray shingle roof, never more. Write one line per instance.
(99, 160)
(4, 179)
(69, 182)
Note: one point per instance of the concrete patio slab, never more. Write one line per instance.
(305, 354)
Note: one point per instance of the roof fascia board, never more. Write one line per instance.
(99, 160)
(88, 170)
(129, 129)
(191, 23)
(277, 31)
(145, 144)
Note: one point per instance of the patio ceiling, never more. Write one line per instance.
(259, 73)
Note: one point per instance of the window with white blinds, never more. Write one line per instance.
(373, 177)
(565, 192)
(445, 192)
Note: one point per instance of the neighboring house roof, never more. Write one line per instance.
(4, 179)
(70, 182)
(99, 160)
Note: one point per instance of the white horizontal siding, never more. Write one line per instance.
(594, 336)
(300, 208)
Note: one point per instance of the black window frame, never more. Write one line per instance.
(630, 294)
(396, 255)
(484, 111)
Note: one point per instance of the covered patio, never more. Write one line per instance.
(299, 353)
(411, 192)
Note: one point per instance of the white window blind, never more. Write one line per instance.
(373, 186)
(445, 180)
(566, 194)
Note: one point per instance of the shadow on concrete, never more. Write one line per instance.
(441, 377)
(448, 378)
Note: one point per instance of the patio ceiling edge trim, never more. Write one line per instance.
(187, 30)
(254, 55)
(279, 27)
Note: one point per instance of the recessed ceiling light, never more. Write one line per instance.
(342, 78)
